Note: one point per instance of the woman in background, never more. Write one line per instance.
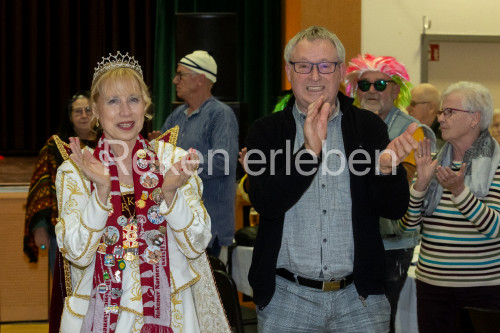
(456, 201)
(41, 206)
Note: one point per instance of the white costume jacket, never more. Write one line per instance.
(195, 304)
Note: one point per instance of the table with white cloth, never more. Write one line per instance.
(406, 315)
(241, 261)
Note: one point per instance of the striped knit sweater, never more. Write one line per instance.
(460, 241)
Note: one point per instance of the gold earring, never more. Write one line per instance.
(97, 123)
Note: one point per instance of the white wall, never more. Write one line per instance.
(394, 27)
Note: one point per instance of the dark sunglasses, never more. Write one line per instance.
(379, 85)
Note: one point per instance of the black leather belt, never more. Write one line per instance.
(331, 285)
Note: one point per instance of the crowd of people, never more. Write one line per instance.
(346, 185)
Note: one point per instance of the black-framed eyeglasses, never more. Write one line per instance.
(326, 67)
(79, 111)
(379, 85)
(181, 74)
(449, 111)
(413, 103)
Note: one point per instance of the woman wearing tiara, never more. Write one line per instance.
(134, 235)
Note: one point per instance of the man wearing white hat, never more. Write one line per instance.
(209, 126)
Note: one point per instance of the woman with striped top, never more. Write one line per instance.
(455, 199)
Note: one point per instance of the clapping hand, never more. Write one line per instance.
(453, 181)
(178, 174)
(426, 167)
(91, 167)
(316, 124)
(400, 148)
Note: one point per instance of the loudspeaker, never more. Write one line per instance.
(216, 33)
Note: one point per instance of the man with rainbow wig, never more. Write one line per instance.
(381, 85)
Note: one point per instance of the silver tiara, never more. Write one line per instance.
(116, 61)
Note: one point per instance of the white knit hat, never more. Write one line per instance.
(201, 62)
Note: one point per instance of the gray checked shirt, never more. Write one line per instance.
(317, 238)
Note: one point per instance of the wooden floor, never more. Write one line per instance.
(25, 328)
(248, 311)
(44, 328)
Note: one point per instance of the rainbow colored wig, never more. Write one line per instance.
(387, 65)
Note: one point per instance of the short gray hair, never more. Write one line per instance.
(431, 93)
(313, 33)
(475, 97)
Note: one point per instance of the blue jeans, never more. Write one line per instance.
(295, 308)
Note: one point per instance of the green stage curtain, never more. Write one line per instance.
(259, 52)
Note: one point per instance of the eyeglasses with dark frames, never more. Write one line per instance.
(326, 67)
(379, 85)
(447, 112)
(181, 74)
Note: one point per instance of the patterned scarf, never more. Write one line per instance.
(141, 237)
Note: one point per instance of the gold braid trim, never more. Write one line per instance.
(191, 245)
(184, 232)
(188, 284)
(101, 205)
(172, 140)
(137, 313)
(67, 277)
(138, 323)
(63, 223)
(91, 229)
(85, 297)
(77, 315)
(205, 213)
(174, 154)
(177, 317)
(60, 146)
(174, 133)
(172, 205)
(82, 177)
(59, 197)
(126, 185)
(136, 276)
(74, 188)
(85, 250)
(217, 289)
(198, 181)
(182, 246)
(81, 274)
